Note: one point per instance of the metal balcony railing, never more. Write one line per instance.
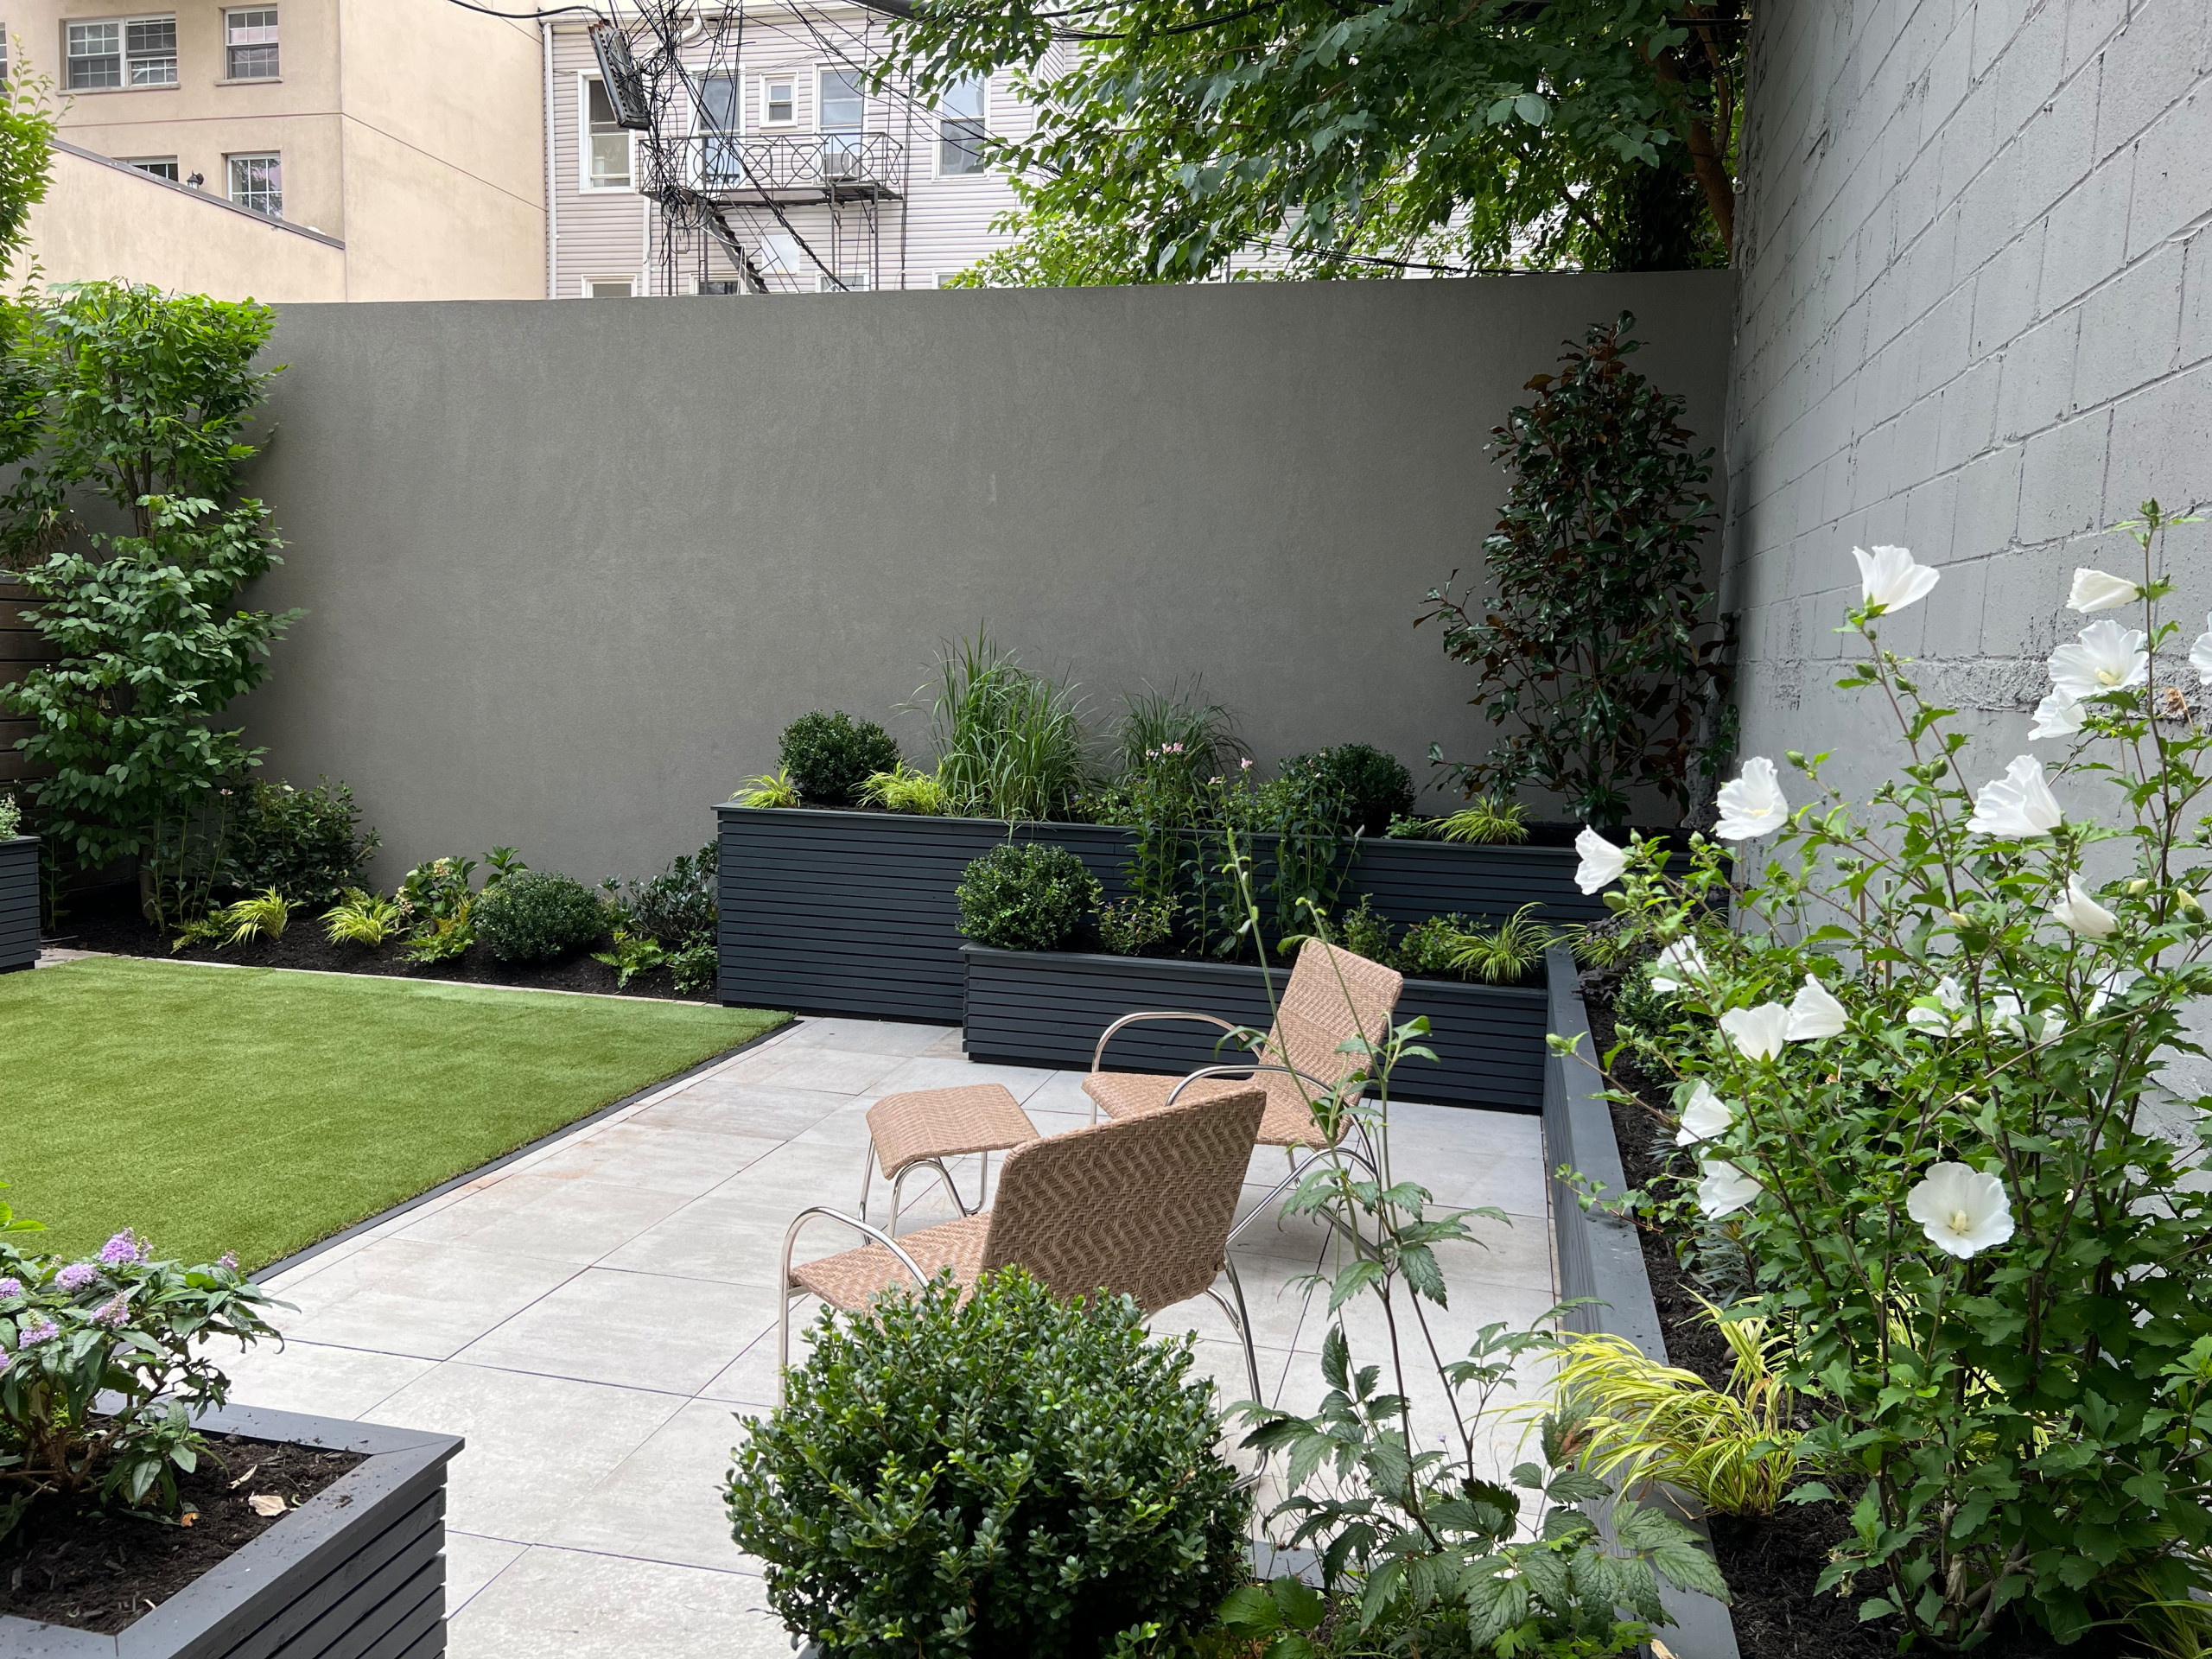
(793, 166)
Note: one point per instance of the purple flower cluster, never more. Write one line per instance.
(228, 1259)
(76, 1275)
(113, 1313)
(125, 1250)
(12, 1290)
(38, 1331)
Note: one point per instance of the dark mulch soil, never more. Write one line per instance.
(1770, 1562)
(108, 921)
(73, 1563)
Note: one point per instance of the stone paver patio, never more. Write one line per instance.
(593, 1317)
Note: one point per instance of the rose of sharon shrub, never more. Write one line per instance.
(1012, 1474)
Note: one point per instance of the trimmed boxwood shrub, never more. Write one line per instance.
(1010, 1475)
(1031, 897)
(537, 915)
(1373, 786)
(831, 756)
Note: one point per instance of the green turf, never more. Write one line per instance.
(258, 1111)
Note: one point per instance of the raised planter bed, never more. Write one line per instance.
(357, 1570)
(18, 903)
(855, 912)
(1599, 1256)
(1039, 1008)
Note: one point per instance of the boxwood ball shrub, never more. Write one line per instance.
(537, 916)
(1010, 1475)
(1030, 897)
(1373, 787)
(831, 756)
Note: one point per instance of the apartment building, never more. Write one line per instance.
(309, 150)
(793, 176)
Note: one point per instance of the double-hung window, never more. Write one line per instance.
(778, 101)
(960, 130)
(839, 109)
(721, 166)
(120, 51)
(250, 44)
(606, 144)
(257, 184)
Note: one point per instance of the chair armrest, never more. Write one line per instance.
(1250, 1069)
(1098, 1054)
(791, 1238)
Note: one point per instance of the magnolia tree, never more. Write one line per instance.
(1916, 1075)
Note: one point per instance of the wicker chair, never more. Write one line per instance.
(1333, 998)
(1140, 1209)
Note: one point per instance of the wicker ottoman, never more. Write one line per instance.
(922, 1129)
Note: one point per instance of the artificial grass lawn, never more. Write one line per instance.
(258, 1111)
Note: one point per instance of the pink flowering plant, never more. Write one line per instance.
(1919, 1080)
(104, 1366)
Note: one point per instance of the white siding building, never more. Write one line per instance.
(817, 183)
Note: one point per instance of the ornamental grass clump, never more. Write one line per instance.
(1006, 1473)
(103, 1364)
(1918, 1081)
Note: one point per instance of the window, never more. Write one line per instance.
(250, 44)
(778, 100)
(716, 123)
(607, 152)
(949, 279)
(162, 167)
(257, 184)
(720, 285)
(609, 287)
(960, 130)
(855, 281)
(839, 120)
(4, 55)
(127, 51)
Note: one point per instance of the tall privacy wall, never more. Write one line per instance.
(570, 567)
(1974, 317)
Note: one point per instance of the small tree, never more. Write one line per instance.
(1592, 657)
(142, 398)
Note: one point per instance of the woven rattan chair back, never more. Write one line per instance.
(1141, 1206)
(1332, 997)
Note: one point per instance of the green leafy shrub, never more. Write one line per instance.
(1009, 1474)
(1373, 786)
(11, 818)
(629, 955)
(1026, 897)
(830, 756)
(677, 906)
(126, 1330)
(537, 916)
(1430, 947)
(1365, 931)
(1130, 927)
(693, 968)
(305, 843)
(1589, 628)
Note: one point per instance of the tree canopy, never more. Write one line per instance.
(1175, 136)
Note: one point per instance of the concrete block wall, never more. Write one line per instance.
(1974, 317)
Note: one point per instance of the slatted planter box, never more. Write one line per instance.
(18, 903)
(1040, 1008)
(855, 913)
(358, 1570)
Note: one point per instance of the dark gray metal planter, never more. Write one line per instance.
(358, 1570)
(855, 912)
(1039, 1008)
(18, 903)
(1600, 1257)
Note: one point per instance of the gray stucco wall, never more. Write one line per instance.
(1974, 317)
(568, 570)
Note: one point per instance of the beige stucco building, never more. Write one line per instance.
(307, 149)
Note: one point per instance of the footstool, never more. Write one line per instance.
(922, 1129)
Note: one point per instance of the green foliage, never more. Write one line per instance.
(27, 131)
(11, 818)
(437, 902)
(693, 966)
(1170, 738)
(1009, 742)
(1284, 1613)
(1505, 954)
(1430, 948)
(1488, 822)
(1372, 786)
(537, 915)
(1590, 653)
(259, 916)
(1130, 927)
(103, 1364)
(677, 907)
(1006, 1473)
(306, 843)
(901, 790)
(830, 757)
(362, 917)
(1485, 134)
(1989, 1265)
(769, 789)
(1026, 896)
(630, 955)
(1365, 931)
